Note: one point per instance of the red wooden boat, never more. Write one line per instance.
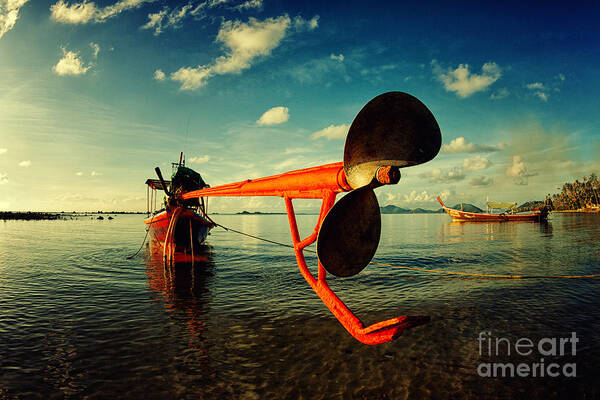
(182, 225)
(465, 216)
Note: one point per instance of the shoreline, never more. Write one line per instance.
(577, 211)
(53, 216)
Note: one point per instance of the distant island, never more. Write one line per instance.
(39, 215)
(392, 209)
(258, 213)
(574, 196)
(269, 213)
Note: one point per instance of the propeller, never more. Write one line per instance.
(394, 130)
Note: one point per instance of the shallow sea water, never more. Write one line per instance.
(79, 320)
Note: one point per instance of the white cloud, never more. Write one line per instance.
(332, 132)
(542, 96)
(540, 90)
(481, 181)
(155, 21)
(82, 13)
(249, 4)
(417, 199)
(440, 176)
(445, 194)
(94, 173)
(171, 18)
(422, 197)
(178, 14)
(79, 173)
(476, 163)
(167, 19)
(243, 43)
(463, 82)
(95, 49)
(458, 173)
(302, 24)
(460, 145)
(25, 163)
(159, 75)
(2, 151)
(274, 116)
(535, 85)
(198, 160)
(70, 64)
(191, 78)
(3, 178)
(78, 13)
(339, 57)
(500, 94)
(9, 13)
(518, 170)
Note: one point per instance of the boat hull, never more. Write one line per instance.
(191, 229)
(464, 216)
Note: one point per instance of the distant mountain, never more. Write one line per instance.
(392, 209)
(529, 206)
(426, 211)
(259, 213)
(467, 207)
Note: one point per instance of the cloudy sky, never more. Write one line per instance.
(94, 95)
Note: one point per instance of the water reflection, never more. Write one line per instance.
(455, 231)
(546, 228)
(184, 287)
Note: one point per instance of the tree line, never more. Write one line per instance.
(578, 195)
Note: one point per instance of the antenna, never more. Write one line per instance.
(187, 131)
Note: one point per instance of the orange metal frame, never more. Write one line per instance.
(323, 182)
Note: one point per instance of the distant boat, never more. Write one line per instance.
(181, 225)
(466, 216)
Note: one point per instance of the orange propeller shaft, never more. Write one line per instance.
(308, 183)
(322, 182)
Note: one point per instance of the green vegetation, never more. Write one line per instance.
(578, 195)
(391, 209)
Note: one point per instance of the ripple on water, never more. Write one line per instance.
(77, 319)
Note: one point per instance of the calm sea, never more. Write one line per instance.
(79, 320)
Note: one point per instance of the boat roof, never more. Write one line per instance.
(155, 184)
(499, 205)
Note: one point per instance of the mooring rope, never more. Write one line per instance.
(259, 238)
(434, 271)
(140, 249)
(439, 271)
(143, 242)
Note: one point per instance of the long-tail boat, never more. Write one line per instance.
(465, 216)
(182, 224)
(392, 131)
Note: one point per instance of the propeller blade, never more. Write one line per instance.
(349, 235)
(393, 129)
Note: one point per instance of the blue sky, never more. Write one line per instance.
(93, 95)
